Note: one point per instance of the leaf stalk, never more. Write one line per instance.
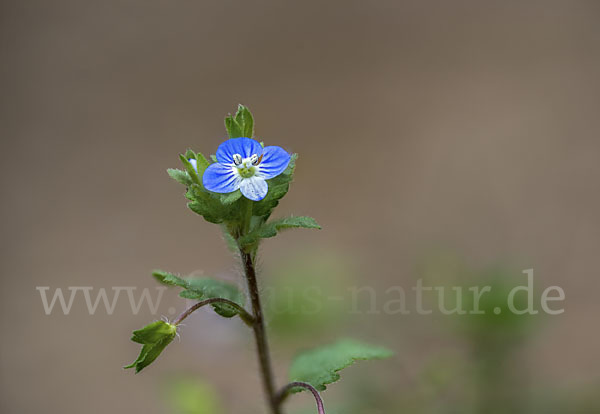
(285, 392)
(244, 315)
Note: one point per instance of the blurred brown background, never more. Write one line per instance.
(464, 127)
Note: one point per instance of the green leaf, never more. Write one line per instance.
(210, 206)
(202, 163)
(189, 154)
(154, 337)
(320, 366)
(245, 119)
(215, 208)
(234, 130)
(180, 176)
(278, 188)
(240, 125)
(230, 241)
(190, 174)
(205, 288)
(230, 198)
(203, 204)
(169, 279)
(190, 169)
(271, 228)
(203, 210)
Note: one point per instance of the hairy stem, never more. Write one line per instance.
(262, 348)
(245, 316)
(260, 336)
(285, 391)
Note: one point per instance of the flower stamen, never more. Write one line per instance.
(247, 169)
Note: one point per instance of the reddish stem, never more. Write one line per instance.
(285, 391)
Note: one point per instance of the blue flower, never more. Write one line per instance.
(243, 163)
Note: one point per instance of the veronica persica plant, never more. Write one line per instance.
(238, 190)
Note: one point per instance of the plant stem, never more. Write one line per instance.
(245, 316)
(285, 391)
(260, 336)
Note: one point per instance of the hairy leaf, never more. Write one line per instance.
(244, 118)
(230, 198)
(154, 337)
(202, 164)
(240, 125)
(205, 288)
(234, 130)
(190, 169)
(320, 366)
(215, 208)
(209, 205)
(278, 188)
(180, 176)
(271, 228)
(190, 175)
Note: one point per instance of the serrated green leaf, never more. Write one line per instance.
(205, 288)
(278, 188)
(204, 210)
(205, 206)
(209, 205)
(320, 366)
(169, 279)
(271, 228)
(154, 337)
(160, 276)
(266, 206)
(180, 176)
(215, 208)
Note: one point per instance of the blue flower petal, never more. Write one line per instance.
(220, 179)
(246, 147)
(254, 188)
(274, 161)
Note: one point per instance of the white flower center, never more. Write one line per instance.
(246, 167)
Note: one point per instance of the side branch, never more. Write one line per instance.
(245, 316)
(285, 391)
